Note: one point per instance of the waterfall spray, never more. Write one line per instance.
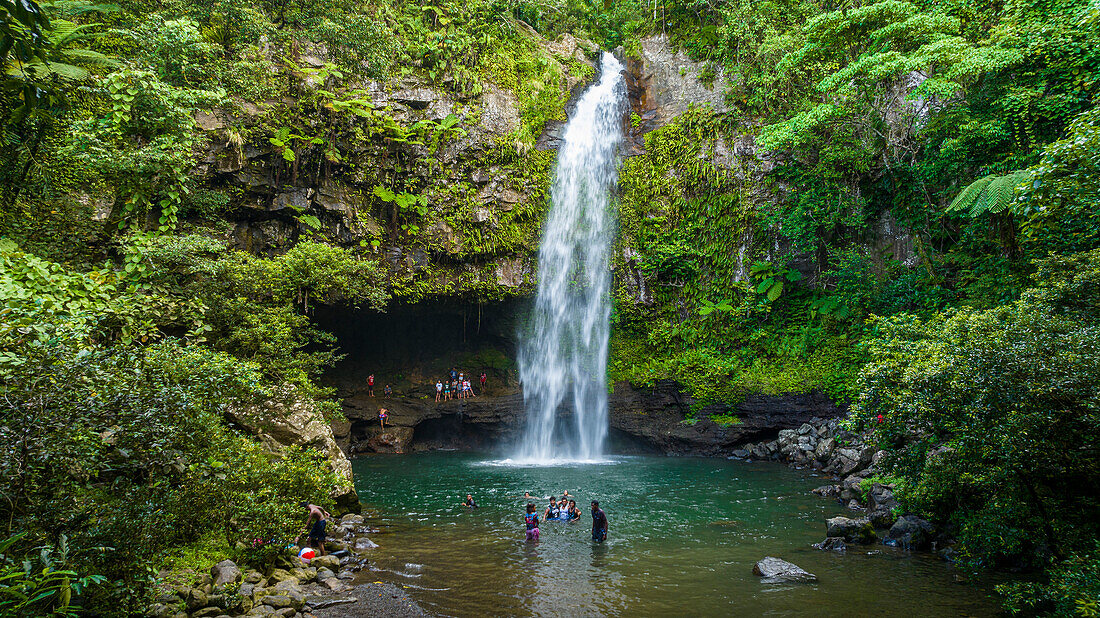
(564, 354)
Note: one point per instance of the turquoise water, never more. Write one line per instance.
(683, 537)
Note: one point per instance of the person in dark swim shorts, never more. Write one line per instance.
(317, 531)
(599, 523)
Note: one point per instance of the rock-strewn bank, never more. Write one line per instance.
(825, 446)
(290, 590)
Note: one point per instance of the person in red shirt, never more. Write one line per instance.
(370, 385)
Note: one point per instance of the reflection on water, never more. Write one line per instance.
(683, 536)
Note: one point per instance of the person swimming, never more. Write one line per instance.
(531, 520)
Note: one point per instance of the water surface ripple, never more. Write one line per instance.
(684, 534)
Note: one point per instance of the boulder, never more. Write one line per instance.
(206, 612)
(280, 575)
(261, 610)
(323, 574)
(326, 562)
(278, 601)
(851, 530)
(225, 572)
(364, 543)
(774, 570)
(195, 599)
(827, 491)
(882, 497)
(911, 532)
(882, 518)
(832, 543)
(335, 585)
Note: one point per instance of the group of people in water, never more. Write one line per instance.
(457, 386)
(563, 509)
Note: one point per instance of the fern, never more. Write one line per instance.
(989, 194)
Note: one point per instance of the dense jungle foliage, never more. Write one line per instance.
(132, 326)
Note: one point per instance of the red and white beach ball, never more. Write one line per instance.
(306, 554)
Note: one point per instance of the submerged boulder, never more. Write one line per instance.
(773, 570)
(832, 543)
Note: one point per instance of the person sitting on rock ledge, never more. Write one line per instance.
(387, 391)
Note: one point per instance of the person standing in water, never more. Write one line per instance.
(574, 512)
(532, 522)
(551, 511)
(599, 523)
(469, 502)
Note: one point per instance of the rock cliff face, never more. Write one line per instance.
(293, 421)
(642, 421)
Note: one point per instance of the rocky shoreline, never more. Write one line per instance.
(822, 444)
(321, 589)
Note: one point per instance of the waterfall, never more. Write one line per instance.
(563, 356)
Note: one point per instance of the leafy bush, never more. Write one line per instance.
(125, 451)
(990, 416)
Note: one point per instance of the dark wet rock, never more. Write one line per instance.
(832, 543)
(774, 570)
(827, 491)
(851, 530)
(195, 598)
(911, 532)
(882, 518)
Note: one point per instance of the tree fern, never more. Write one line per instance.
(989, 194)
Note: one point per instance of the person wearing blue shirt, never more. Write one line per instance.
(599, 523)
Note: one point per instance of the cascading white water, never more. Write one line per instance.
(564, 354)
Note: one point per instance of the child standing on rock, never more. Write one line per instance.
(383, 414)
